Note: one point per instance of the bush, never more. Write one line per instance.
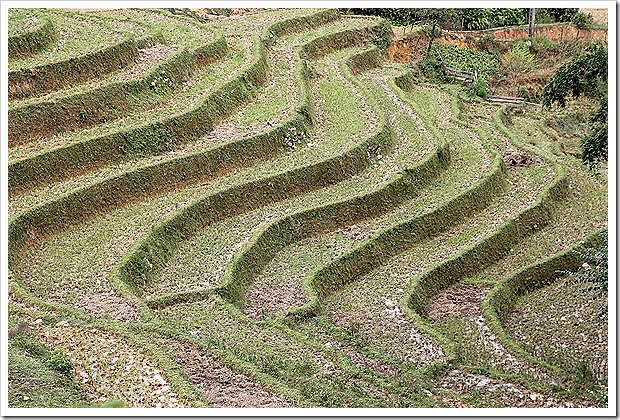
(60, 362)
(508, 17)
(519, 59)
(594, 146)
(485, 63)
(582, 20)
(432, 70)
(584, 74)
(555, 14)
(449, 18)
(479, 88)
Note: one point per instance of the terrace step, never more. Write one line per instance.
(30, 32)
(113, 191)
(57, 68)
(344, 235)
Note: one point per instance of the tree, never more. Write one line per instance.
(584, 74)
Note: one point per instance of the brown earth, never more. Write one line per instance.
(461, 301)
(553, 32)
(219, 384)
(407, 48)
(519, 160)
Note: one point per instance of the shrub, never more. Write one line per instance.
(479, 88)
(555, 14)
(59, 361)
(484, 63)
(582, 20)
(508, 17)
(584, 74)
(519, 59)
(432, 70)
(594, 146)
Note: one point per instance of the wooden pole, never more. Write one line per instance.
(532, 22)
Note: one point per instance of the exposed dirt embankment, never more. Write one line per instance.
(405, 49)
(553, 32)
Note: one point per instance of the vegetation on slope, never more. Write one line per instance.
(321, 229)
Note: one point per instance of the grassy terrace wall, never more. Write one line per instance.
(276, 266)
(153, 252)
(77, 111)
(87, 202)
(32, 41)
(164, 134)
(503, 297)
(147, 139)
(299, 24)
(491, 248)
(284, 231)
(27, 82)
(387, 243)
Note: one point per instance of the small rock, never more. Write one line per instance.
(197, 334)
(483, 382)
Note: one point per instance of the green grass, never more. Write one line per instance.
(364, 301)
(255, 23)
(33, 383)
(328, 143)
(198, 87)
(77, 38)
(337, 26)
(274, 104)
(21, 20)
(37, 385)
(364, 346)
(174, 30)
(205, 80)
(569, 337)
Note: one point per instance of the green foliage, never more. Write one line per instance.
(484, 63)
(556, 14)
(476, 18)
(479, 88)
(582, 20)
(519, 59)
(594, 274)
(381, 38)
(584, 74)
(449, 18)
(432, 70)
(595, 146)
(508, 17)
(60, 362)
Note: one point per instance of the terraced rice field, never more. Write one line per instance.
(258, 211)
